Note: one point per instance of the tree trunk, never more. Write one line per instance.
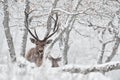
(69, 25)
(100, 59)
(106, 67)
(7, 32)
(114, 51)
(26, 23)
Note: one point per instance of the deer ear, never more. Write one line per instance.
(49, 41)
(58, 59)
(32, 40)
(50, 57)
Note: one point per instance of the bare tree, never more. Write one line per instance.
(66, 45)
(114, 50)
(7, 32)
(100, 59)
(69, 26)
(115, 47)
(26, 24)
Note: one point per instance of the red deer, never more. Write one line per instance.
(54, 61)
(36, 54)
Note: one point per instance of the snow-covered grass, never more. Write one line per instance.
(28, 71)
(24, 70)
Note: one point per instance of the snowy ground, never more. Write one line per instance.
(83, 50)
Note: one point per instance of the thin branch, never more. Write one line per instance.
(67, 12)
(81, 33)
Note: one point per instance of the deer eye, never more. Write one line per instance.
(43, 44)
(36, 43)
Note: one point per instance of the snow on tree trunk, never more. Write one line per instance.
(26, 23)
(106, 67)
(102, 54)
(114, 51)
(7, 32)
(69, 25)
(100, 58)
(66, 45)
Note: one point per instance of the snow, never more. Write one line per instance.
(45, 72)
(83, 51)
(97, 76)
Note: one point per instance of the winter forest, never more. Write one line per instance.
(59, 39)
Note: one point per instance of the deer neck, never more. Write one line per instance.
(55, 64)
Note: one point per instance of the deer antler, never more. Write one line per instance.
(48, 35)
(32, 33)
(55, 27)
(36, 33)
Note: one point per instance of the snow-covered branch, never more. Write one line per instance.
(114, 51)
(100, 59)
(94, 68)
(67, 12)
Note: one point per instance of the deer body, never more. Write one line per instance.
(36, 54)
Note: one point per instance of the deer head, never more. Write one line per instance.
(54, 61)
(36, 54)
